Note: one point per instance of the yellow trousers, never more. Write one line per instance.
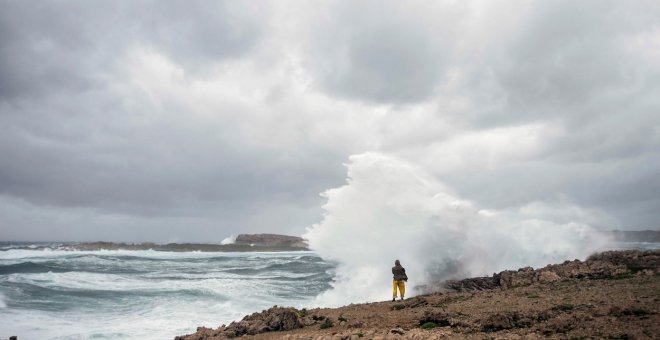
(402, 288)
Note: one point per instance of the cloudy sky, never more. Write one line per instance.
(194, 120)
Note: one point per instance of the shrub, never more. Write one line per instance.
(327, 324)
(636, 312)
(565, 307)
(428, 325)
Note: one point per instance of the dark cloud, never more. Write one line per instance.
(383, 52)
(50, 47)
(123, 120)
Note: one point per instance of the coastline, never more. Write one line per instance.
(611, 294)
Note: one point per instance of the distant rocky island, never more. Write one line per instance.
(243, 243)
(270, 240)
(635, 235)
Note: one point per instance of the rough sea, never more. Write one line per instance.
(50, 293)
(121, 294)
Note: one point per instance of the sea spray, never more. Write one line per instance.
(390, 209)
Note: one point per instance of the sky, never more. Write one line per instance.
(189, 121)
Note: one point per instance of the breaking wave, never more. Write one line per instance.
(390, 209)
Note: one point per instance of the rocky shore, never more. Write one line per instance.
(614, 295)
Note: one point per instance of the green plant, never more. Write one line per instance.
(428, 325)
(533, 296)
(398, 307)
(359, 334)
(327, 324)
(621, 276)
(302, 313)
(636, 312)
(565, 307)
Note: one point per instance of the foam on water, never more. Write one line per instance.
(390, 209)
(145, 294)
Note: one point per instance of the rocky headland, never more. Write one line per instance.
(270, 240)
(634, 235)
(614, 294)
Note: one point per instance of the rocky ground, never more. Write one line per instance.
(612, 295)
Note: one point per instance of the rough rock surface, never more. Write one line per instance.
(602, 265)
(610, 295)
(273, 319)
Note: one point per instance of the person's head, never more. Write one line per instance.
(397, 263)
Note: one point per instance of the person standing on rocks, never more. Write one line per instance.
(400, 279)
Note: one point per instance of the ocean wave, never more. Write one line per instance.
(30, 267)
(107, 290)
(166, 247)
(10, 254)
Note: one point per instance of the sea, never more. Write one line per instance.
(52, 292)
(49, 291)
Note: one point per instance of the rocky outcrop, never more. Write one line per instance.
(271, 240)
(610, 264)
(273, 319)
(474, 284)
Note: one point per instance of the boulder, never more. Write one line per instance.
(273, 319)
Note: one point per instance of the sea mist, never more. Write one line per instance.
(390, 209)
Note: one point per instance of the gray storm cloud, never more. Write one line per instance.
(161, 121)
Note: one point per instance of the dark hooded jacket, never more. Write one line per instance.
(399, 272)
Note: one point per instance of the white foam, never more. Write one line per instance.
(13, 254)
(229, 240)
(157, 316)
(390, 209)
